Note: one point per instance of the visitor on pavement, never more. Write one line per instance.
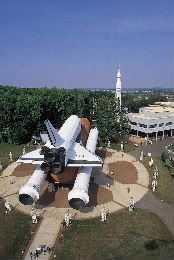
(154, 184)
(103, 215)
(131, 204)
(67, 218)
(7, 206)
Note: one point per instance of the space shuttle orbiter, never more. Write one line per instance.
(63, 150)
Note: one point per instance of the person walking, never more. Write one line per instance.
(7, 206)
(131, 204)
(103, 215)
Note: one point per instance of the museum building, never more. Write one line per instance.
(155, 120)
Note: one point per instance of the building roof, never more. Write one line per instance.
(155, 112)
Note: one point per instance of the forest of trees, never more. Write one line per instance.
(23, 110)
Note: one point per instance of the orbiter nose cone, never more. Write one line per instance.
(77, 204)
(26, 199)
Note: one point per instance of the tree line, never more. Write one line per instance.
(23, 111)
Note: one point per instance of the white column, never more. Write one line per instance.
(163, 135)
(156, 136)
(171, 132)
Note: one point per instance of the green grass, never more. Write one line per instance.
(128, 147)
(171, 148)
(16, 150)
(127, 235)
(165, 188)
(15, 233)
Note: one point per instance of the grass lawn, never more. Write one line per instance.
(15, 233)
(16, 150)
(171, 148)
(165, 188)
(128, 146)
(127, 235)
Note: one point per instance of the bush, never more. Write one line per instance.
(172, 173)
(168, 163)
(163, 157)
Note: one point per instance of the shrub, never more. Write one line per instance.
(163, 157)
(168, 163)
(172, 173)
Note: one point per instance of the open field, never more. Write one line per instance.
(16, 232)
(165, 188)
(127, 235)
(16, 150)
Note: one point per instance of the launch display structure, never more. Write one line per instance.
(64, 160)
(118, 88)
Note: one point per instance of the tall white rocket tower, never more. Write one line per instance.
(118, 87)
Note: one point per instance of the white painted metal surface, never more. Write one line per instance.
(32, 187)
(81, 185)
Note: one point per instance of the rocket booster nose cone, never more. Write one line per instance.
(26, 199)
(77, 204)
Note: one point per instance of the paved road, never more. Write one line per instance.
(156, 148)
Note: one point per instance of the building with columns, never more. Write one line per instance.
(118, 88)
(154, 120)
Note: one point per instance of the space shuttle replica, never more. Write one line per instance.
(67, 158)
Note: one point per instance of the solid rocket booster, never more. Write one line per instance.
(29, 193)
(78, 197)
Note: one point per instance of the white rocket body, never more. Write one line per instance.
(78, 197)
(69, 132)
(29, 193)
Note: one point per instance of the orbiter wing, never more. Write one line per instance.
(79, 156)
(32, 157)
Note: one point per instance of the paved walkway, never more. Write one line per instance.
(156, 148)
(164, 211)
(46, 235)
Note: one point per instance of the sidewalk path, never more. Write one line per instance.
(46, 235)
(156, 148)
(164, 211)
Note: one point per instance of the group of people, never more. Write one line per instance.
(154, 180)
(39, 250)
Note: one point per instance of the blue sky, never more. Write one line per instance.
(78, 43)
